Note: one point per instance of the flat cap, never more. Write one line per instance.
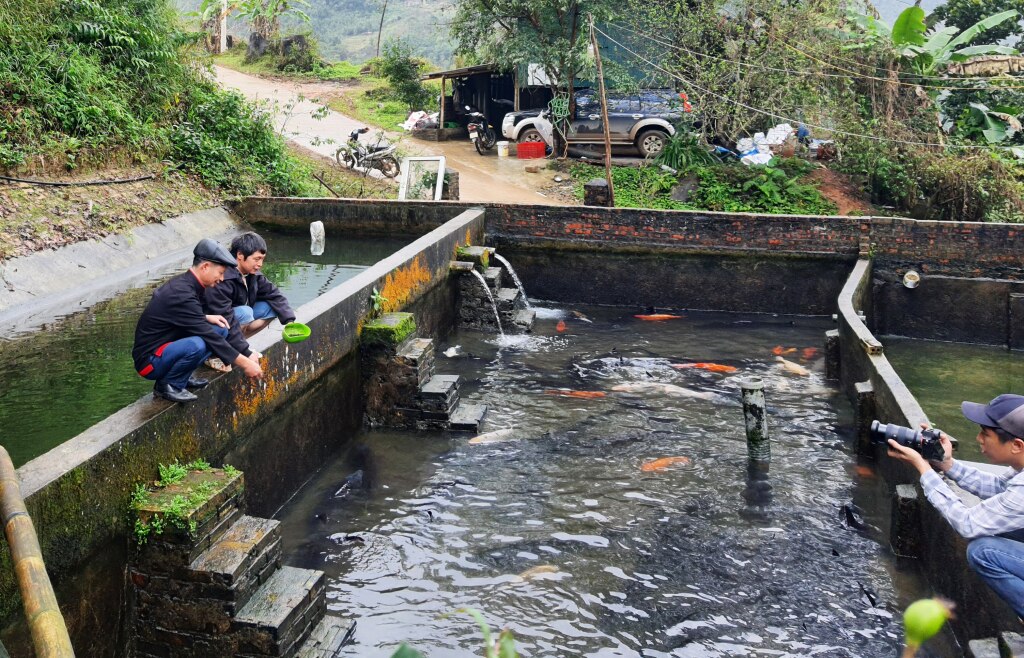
(214, 252)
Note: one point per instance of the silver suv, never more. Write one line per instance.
(643, 120)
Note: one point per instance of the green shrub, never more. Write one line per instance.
(403, 71)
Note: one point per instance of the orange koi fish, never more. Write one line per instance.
(864, 471)
(560, 327)
(711, 367)
(779, 350)
(658, 317)
(809, 353)
(582, 395)
(663, 463)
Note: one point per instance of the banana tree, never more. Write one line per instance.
(928, 54)
(923, 53)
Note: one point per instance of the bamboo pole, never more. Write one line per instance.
(604, 117)
(49, 633)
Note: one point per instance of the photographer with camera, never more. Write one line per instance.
(996, 525)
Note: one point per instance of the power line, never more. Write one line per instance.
(785, 118)
(816, 73)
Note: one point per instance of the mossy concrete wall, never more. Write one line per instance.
(277, 430)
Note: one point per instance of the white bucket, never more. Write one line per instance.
(502, 149)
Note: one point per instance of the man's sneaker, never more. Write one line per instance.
(214, 363)
(168, 392)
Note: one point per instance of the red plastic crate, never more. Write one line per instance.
(529, 150)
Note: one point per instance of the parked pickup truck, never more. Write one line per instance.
(643, 120)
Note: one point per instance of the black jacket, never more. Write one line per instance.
(232, 292)
(175, 312)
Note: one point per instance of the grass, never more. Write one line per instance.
(267, 67)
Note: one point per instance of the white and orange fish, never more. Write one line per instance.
(663, 389)
(779, 350)
(497, 436)
(794, 368)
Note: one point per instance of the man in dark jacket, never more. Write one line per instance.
(175, 334)
(246, 298)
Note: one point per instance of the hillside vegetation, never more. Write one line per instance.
(85, 83)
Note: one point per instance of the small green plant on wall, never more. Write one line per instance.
(377, 302)
(173, 512)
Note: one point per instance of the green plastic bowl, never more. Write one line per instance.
(295, 332)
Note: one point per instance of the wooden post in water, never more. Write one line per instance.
(759, 447)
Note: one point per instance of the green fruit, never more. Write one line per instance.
(923, 619)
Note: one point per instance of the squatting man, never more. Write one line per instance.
(995, 526)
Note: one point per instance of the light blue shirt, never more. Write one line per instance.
(1001, 509)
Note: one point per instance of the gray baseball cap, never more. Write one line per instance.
(1005, 412)
(214, 252)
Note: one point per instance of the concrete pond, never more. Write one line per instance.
(606, 506)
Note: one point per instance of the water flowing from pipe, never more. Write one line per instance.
(515, 278)
(483, 282)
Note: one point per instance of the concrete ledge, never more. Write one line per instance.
(77, 493)
(47, 282)
(942, 551)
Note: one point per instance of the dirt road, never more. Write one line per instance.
(481, 178)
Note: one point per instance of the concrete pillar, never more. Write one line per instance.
(450, 189)
(756, 418)
(905, 526)
(1016, 321)
(865, 411)
(595, 193)
(832, 354)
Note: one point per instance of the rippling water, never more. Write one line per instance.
(61, 379)
(559, 535)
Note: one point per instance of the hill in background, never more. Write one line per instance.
(347, 29)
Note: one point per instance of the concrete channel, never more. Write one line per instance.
(278, 432)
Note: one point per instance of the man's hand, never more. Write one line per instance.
(947, 450)
(218, 320)
(250, 367)
(909, 455)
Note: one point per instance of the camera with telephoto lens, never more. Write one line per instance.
(925, 442)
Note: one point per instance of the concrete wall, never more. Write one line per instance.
(302, 412)
(943, 552)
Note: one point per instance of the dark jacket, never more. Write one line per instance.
(175, 312)
(232, 292)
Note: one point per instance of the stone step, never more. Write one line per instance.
(475, 255)
(327, 639)
(467, 417)
(242, 559)
(440, 386)
(524, 319)
(418, 353)
(281, 614)
(987, 648)
(492, 275)
(506, 298)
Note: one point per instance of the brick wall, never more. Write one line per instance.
(947, 248)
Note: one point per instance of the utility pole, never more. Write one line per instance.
(380, 30)
(224, 27)
(604, 116)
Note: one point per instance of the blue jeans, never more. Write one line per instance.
(1000, 563)
(258, 311)
(178, 360)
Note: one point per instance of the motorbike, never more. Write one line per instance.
(356, 154)
(483, 136)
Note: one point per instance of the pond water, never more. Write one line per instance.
(559, 533)
(72, 373)
(942, 375)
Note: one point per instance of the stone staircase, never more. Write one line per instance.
(474, 307)
(1007, 645)
(221, 590)
(401, 387)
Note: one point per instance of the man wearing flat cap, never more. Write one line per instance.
(996, 525)
(174, 334)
